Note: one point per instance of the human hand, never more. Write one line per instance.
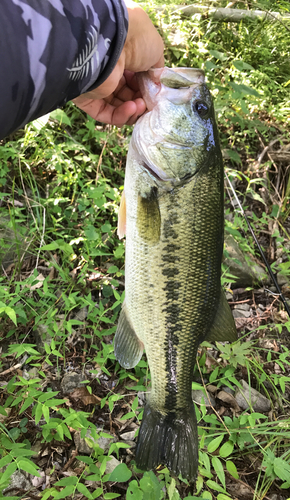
(118, 100)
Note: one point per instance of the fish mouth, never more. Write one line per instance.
(155, 80)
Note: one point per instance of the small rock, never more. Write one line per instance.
(19, 482)
(36, 447)
(128, 436)
(33, 373)
(282, 279)
(81, 314)
(141, 398)
(201, 399)
(243, 307)
(42, 337)
(71, 381)
(275, 496)
(248, 395)
(4, 417)
(243, 266)
(228, 390)
(111, 465)
(240, 313)
(84, 447)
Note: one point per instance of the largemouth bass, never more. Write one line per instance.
(173, 212)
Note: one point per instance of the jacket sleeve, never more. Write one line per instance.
(54, 50)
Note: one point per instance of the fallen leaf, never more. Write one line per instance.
(82, 394)
(229, 399)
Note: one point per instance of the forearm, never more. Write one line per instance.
(54, 50)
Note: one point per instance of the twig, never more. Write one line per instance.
(42, 239)
(101, 157)
(70, 461)
(208, 397)
(265, 150)
(12, 368)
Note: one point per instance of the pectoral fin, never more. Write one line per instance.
(128, 348)
(224, 327)
(148, 217)
(122, 217)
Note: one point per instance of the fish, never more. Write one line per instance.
(172, 211)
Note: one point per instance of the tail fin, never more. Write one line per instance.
(169, 439)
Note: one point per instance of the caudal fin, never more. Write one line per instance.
(169, 439)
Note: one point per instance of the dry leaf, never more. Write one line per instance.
(82, 393)
(229, 399)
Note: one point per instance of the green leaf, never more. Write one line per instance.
(241, 65)
(218, 467)
(119, 252)
(8, 472)
(67, 481)
(221, 496)
(215, 486)
(134, 492)
(45, 411)
(244, 89)
(232, 469)
(106, 228)
(5, 460)
(108, 496)
(28, 466)
(226, 449)
(47, 395)
(38, 413)
(91, 233)
(97, 492)
(113, 269)
(84, 491)
(282, 469)
(121, 474)
(214, 444)
(11, 313)
(65, 493)
(28, 401)
(233, 155)
(218, 55)
(60, 116)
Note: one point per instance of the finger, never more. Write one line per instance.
(131, 80)
(127, 114)
(102, 111)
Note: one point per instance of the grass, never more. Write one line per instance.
(63, 285)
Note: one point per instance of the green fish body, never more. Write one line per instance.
(174, 245)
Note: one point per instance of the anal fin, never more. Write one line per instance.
(128, 348)
(223, 328)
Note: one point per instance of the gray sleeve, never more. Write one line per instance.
(54, 50)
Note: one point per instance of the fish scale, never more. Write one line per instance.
(174, 244)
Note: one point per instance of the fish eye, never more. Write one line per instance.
(201, 108)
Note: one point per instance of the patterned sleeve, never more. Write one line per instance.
(54, 50)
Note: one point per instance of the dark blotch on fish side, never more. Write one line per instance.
(170, 272)
(148, 217)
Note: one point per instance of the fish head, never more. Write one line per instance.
(178, 136)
